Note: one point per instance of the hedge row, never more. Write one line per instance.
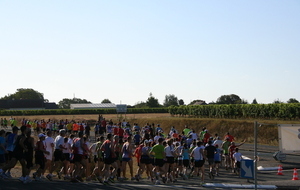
(79, 111)
(250, 111)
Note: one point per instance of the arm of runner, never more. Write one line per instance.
(203, 155)
(242, 143)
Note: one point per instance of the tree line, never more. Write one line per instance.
(283, 111)
(151, 102)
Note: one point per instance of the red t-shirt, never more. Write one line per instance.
(230, 138)
(103, 123)
(138, 153)
(121, 132)
(116, 131)
(206, 137)
(232, 149)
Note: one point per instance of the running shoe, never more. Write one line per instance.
(137, 178)
(49, 177)
(88, 179)
(185, 177)
(74, 180)
(105, 183)
(111, 180)
(8, 175)
(3, 176)
(100, 179)
(164, 179)
(22, 179)
(27, 180)
(157, 182)
(38, 178)
(59, 175)
(34, 175)
(79, 178)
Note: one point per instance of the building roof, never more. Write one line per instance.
(92, 106)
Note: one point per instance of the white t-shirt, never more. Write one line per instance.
(59, 140)
(67, 146)
(194, 136)
(47, 142)
(237, 157)
(219, 143)
(196, 153)
(169, 150)
(156, 138)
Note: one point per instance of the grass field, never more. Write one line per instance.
(240, 128)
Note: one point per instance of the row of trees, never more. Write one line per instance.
(151, 102)
(233, 111)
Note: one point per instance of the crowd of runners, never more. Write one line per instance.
(45, 147)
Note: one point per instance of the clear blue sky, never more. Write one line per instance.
(123, 50)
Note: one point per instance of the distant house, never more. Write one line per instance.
(201, 102)
(93, 106)
(26, 105)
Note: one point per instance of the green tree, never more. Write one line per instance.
(229, 99)
(170, 100)
(277, 101)
(254, 101)
(141, 105)
(105, 101)
(65, 103)
(292, 100)
(152, 102)
(24, 94)
(181, 102)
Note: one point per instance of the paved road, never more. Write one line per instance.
(226, 178)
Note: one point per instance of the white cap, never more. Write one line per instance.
(41, 135)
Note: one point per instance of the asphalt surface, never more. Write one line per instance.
(226, 180)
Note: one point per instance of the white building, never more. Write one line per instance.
(93, 106)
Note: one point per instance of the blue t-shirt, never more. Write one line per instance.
(186, 154)
(10, 143)
(137, 138)
(2, 143)
(217, 156)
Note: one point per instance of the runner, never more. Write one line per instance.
(79, 164)
(49, 145)
(199, 158)
(231, 150)
(210, 155)
(159, 156)
(225, 146)
(40, 160)
(237, 156)
(106, 147)
(58, 154)
(3, 151)
(127, 158)
(18, 155)
(145, 162)
(10, 146)
(98, 159)
(218, 159)
(170, 160)
(28, 154)
(66, 150)
(185, 153)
